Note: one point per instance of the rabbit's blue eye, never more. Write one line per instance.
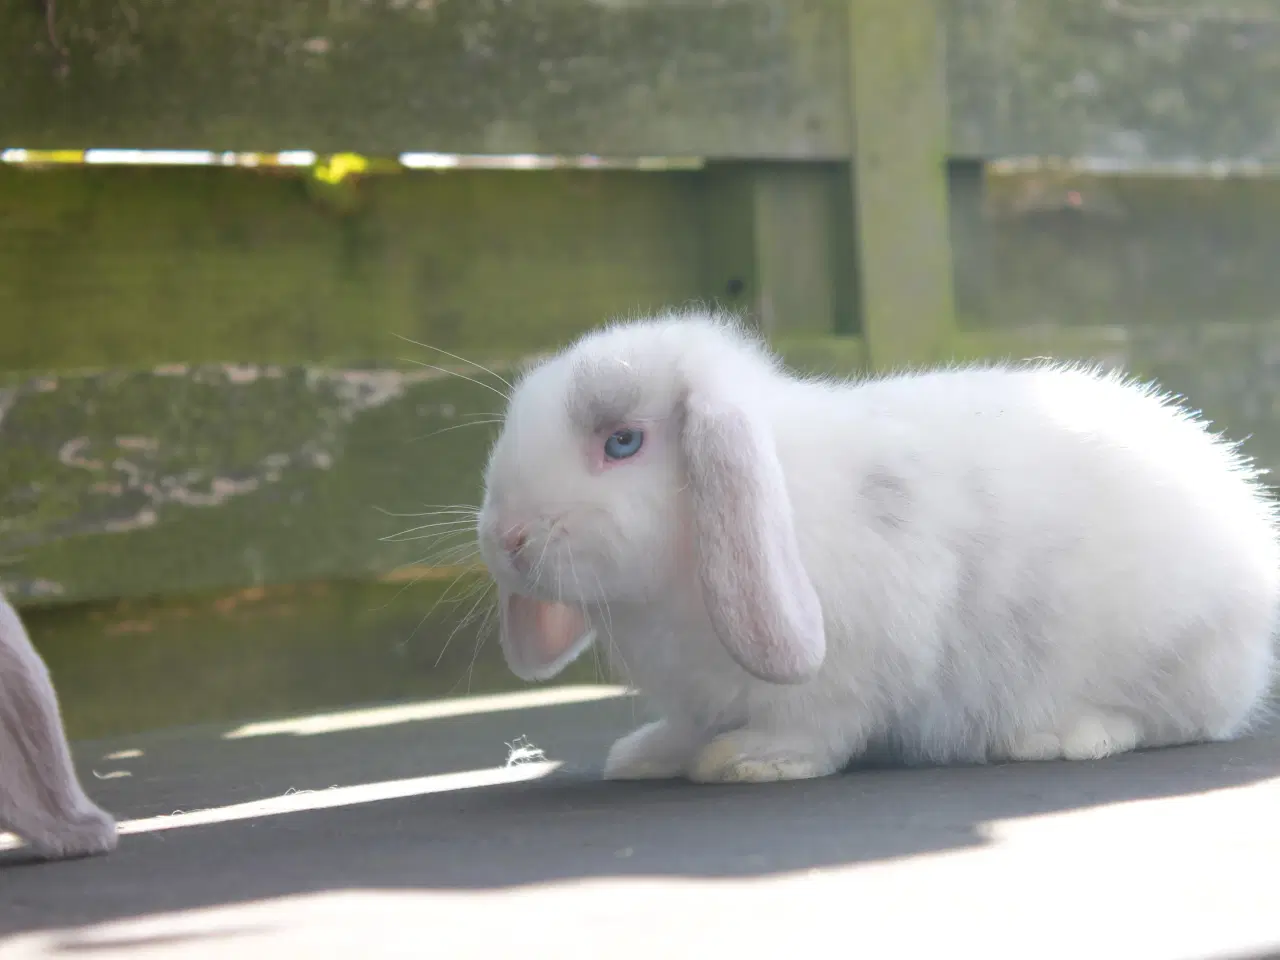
(623, 443)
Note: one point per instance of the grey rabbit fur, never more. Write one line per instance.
(41, 799)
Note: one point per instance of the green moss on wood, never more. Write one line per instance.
(898, 106)
(198, 478)
(779, 246)
(102, 268)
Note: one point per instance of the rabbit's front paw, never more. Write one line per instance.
(747, 756)
(656, 751)
(91, 833)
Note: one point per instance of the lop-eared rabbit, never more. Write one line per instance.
(1005, 562)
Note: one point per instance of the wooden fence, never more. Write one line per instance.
(205, 402)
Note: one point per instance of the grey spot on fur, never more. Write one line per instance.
(601, 395)
(889, 498)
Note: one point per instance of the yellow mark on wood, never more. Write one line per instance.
(417, 573)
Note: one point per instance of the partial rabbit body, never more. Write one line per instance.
(1025, 562)
(40, 797)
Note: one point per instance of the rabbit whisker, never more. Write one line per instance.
(466, 619)
(461, 376)
(455, 526)
(456, 426)
(432, 609)
(435, 508)
(454, 356)
(438, 535)
(483, 637)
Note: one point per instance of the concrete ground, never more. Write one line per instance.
(403, 832)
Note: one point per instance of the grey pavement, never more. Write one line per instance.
(399, 839)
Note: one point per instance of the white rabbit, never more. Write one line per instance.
(992, 563)
(40, 798)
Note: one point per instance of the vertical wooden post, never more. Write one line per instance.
(780, 248)
(899, 123)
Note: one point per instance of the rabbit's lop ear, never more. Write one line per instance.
(539, 639)
(761, 602)
(40, 797)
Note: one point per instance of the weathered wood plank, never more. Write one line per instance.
(1118, 81)
(134, 267)
(898, 108)
(744, 78)
(1122, 82)
(187, 478)
(1066, 249)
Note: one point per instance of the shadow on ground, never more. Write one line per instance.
(568, 826)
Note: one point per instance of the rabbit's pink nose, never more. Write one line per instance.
(513, 540)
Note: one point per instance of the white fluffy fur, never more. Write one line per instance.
(1013, 562)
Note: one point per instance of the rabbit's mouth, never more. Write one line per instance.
(551, 584)
(535, 571)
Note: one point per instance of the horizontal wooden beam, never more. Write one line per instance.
(138, 267)
(1119, 82)
(188, 478)
(1056, 247)
(1124, 83)
(163, 482)
(745, 78)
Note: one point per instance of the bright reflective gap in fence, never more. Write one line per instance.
(351, 162)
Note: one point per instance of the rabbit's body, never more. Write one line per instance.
(1024, 562)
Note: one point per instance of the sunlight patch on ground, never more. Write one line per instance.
(1224, 816)
(976, 901)
(297, 801)
(363, 719)
(131, 754)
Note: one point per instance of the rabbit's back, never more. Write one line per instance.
(1031, 543)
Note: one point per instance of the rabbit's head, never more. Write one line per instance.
(631, 466)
